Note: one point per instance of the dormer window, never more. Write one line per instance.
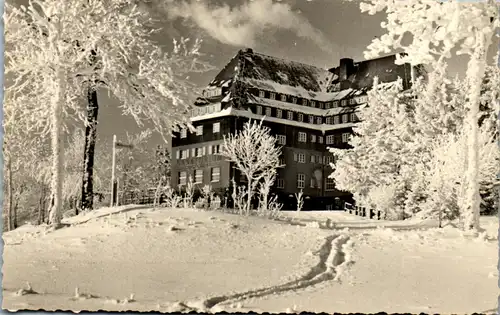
(183, 133)
(283, 97)
(353, 117)
(272, 96)
(290, 115)
(262, 94)
(279, 113)
(336, 120)
(304, 102)
(321, 105)
(328, 105)
(328, 120)
(345, 118)
(294, 100)
(335, 104)
(301, 117)
(343, 103)
(311, 119)
(319, 120)
(352, 101)
(313, 103)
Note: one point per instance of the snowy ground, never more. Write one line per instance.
(133, 258)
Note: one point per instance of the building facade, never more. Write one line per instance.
(307, 109)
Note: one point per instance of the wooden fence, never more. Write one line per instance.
(362, 212)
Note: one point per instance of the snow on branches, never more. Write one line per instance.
(254, 151)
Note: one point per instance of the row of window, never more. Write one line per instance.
(199, 130)
(212, 92)
(197, 152)
(302, 137)
(313, 183)
(198, 176)
(313, 103)
(331, 120)
(208, 109)
(301, 158)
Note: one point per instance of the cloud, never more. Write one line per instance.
(243, 25)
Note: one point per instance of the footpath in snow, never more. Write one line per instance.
(134, 258)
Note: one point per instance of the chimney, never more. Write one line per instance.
(346, 68)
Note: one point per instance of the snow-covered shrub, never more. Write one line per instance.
(189, 193)
(239, 196)
(215, 203)
(265, 185)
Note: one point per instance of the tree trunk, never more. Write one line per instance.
(87, 202)
(475, 73)
(41, 206)
(56, 110)
(249, 195)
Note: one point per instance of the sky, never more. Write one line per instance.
(317, 32)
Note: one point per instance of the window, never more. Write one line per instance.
(329, 160)
(312, 183)
(215, 174)
(295, 156)
(335, 104)
(282, 161)
(281, 139)
(182, 178)
(320, 139)
(301, 158)
(345, 137)
(302, 137)
(209, 149)
(272, 96)
(330, 139)
(336, 120)
(319, 120)
(328, 120)
(353, 117)
(259, 110)
(216, 149)
(313, 138)
(313, 159)
(313, 103)
(198, 176)
(280, 183)
(283, 97)
(321, 105)
(262, 94)
(318, 159)
(343, 102)
(268, 111)
(178, 154)
(311, 119)
(183, 133)
(184, 154)
(217, 107)
(330, 184)
(304, 101)
(294, 100)
(301, 117)
(216, 127)
(345, 118)
(301, 180)
(210, 109)
(352, 101)
(328, 105)
(290, 115)
(279, 113)
(199, 130)
(193, 152)
(200, 152)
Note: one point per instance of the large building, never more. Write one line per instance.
(307, 108)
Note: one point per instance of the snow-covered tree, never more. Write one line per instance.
(57, 52)
(437, 29)
(253, 151)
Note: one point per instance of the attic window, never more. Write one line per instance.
(328, 105)
(321, 105)
(268, 111)
(301, 117)
(259, 110)
(217, 107)
(311, 119)
(352, 101)
(313, 103)
(335, 104)
(272, 96)
(283, 97)
(345, 118)
(319, 120)
(290, 115)
(279, 113)
(294, 100)
(183, 133)
(336, 120)
(343, 103)
(262, 94)
(328, 120)
(304, 102)
(353, 117)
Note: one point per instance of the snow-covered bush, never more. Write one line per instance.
(239, 195)
(189, 193)
(299, 196)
